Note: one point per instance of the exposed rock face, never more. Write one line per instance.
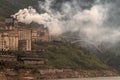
(2, 76)
(22, 74)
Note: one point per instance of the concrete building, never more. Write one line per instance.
(41, 34)
(24, 39)
(16, 36)
(8, 40)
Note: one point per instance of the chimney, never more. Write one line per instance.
(9, 21)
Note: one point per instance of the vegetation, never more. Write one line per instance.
(110, 55)
(65, 55)
(6, 9)
(58, 55)
(112, 58)
(23, 3)
(2, 65)
(9, 7)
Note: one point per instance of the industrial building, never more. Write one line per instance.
(16, 36)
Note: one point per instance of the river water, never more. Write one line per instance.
(99, 78)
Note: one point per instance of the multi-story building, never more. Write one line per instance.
(16, 36)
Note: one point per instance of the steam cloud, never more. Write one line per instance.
(92, 22)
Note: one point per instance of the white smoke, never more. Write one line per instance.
(29, 15)
(89, 23)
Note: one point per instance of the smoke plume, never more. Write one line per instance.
(91, 20)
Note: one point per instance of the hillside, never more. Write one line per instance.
(64, 55)
(64, 60)
(112, 57)
(60, 55)
(23, 3)
(6, 9)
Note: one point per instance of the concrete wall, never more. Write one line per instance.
(40, 35)
(8, 40)
(24, 34)
(13, 40)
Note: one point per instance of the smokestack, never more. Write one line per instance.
(9, 21)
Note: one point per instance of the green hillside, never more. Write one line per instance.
(68, 56)
(23, 3)
(61, 54)
(65, 55)
(112, 57)
(6, 9)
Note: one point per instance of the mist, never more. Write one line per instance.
(95, 21)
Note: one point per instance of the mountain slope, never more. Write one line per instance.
(66, 55)
(112, 57)
(23, 3)
(6, 9)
